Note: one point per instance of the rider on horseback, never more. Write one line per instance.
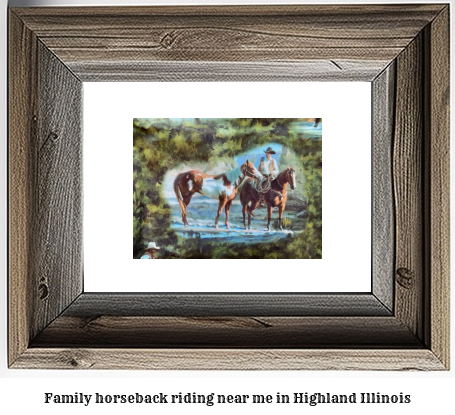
(268, 167)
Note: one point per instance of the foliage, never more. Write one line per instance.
(286, 223)
(162, 144)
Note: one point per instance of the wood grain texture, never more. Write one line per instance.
(45, 187)
(53, 49)
(22, 131)
(234, 359)
(213, 305)
(408, 188)
(57, 246)
(325, 70)
(383, 215)
(257, 332)
(228, 34)
(438, 212)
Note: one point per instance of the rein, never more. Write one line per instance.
(241, 177)
(265, 185)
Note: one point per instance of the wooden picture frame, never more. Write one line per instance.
(403, 324)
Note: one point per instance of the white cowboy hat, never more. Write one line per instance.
(152, 245)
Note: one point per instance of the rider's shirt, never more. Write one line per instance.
(267, 166)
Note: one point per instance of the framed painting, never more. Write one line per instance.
(227, 160)
(179, 164)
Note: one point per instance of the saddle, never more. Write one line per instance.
(265, 184)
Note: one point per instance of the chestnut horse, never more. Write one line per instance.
(275, 196)
(222, 187)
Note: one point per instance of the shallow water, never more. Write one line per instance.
(201, 217)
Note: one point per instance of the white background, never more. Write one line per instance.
(22, 391)
(346, 176)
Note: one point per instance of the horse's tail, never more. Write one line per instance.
(178, 192)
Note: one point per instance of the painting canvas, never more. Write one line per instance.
(226, 188)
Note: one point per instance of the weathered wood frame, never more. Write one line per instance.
(403, 50)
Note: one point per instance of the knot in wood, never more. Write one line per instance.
(43, 290)
(168, 40)
(405, 278)
(77, 359)
(53, 136)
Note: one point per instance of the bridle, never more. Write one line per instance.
(245, 172)
(288, 178)
(249, 172)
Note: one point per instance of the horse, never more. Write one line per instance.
(275, 196)
(223, 187)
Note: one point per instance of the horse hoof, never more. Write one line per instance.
(216, 226)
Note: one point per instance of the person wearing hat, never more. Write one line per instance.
(267, 167)
(150, 251)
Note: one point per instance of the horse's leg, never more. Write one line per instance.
(226, 211)
(220, 209)
(244, 209)
(280, 213)
(186, 201)
(183, 192)
(269, 215)
(253, 206)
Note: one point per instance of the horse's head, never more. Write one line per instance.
(249, 170)
(291, 177)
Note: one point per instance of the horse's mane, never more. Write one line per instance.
(230, 176)
(280, 174)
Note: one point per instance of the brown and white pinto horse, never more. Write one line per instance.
(276, 196)
(222, 187)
